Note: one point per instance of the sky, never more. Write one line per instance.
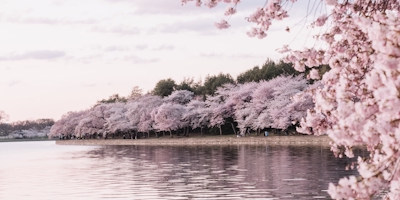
(58, 56)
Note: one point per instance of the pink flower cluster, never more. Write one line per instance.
(358, 102)
(321, 20)
(222, 24)
(230, 11)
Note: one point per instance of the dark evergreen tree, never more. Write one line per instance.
(211, 83)
(164, 87)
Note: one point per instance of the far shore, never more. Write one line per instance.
(207, 140)
(26, 140)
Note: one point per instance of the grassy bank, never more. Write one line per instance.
(207, 140)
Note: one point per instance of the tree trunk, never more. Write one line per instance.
(136, 134)
(201, 131)
(234, 129)
(170, 133)
(220, 129)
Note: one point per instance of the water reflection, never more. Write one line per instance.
(198, 172)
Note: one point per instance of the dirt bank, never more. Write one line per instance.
(207, 140)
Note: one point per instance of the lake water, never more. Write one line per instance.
(43, 170)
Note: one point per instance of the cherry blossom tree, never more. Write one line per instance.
(117, 120)
(139, 114)
(261, 99)
(197, 114)
(133, 113)
(65, 127)
(150, 105)
(180, 97)
(358, 103)
(301, 103)
(239, 101)
(278, 108)
(169, 117)
(31, 133)
(220, 110)
(94, 121)
(272, 104)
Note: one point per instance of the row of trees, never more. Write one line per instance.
(26, 129)
(39, 124)
(278, 103)
(29, 133)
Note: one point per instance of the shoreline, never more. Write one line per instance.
(206, 140)
(26, 140)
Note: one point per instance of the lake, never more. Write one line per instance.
(43, 170)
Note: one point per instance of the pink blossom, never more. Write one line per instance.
(314, 74)
(230, 11)
(321, 20)
(331, 2)
(222, 24)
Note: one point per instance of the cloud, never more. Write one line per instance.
(211, 55)
(38, 55)
(89, 84)
(204, 17)
(141, 46)
(125, 48)
(48, 21)
(116, 48)
(146, 7)
(244, 56)
(138, 60)
(86, 59)
(175, 7)
(165, 47)
(57, 3)
(14, 83)
(118, 30)
(231, 56)
(203, 26)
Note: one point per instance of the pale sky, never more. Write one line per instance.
(64, 55)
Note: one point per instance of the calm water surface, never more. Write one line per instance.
(43, 170)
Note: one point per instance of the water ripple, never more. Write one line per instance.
(139, 172)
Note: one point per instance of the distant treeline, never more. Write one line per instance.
(39, 124)
(269, 70)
